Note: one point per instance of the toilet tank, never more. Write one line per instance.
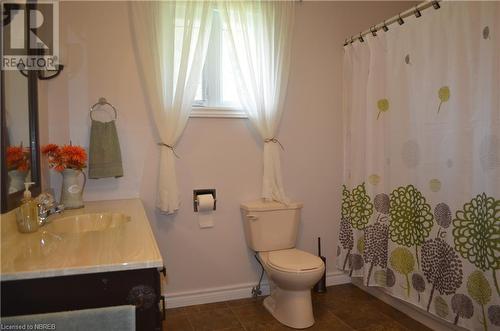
(270, 225)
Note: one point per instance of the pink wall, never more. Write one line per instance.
(220, 153)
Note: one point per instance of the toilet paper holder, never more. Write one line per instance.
(201, 192)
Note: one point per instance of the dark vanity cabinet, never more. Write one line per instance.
(139, 287)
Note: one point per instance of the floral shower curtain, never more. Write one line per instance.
(420, 201)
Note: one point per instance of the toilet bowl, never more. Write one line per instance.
(292, 274)
(271, 230)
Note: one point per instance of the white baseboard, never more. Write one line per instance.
(337, 277)
(214, 294)
(226, 293)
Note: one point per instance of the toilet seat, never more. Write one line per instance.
(293, 260)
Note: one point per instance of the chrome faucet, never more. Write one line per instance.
(46, 207)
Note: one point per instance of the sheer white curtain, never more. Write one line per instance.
(171, 39)
(260, 35)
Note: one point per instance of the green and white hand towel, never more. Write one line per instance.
(105, 158)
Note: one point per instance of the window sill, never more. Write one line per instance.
(219, 112)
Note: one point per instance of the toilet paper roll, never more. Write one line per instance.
(205, 210)
(205, 202)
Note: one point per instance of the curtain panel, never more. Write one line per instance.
(260, 35)
(171, 39)
(420, 202)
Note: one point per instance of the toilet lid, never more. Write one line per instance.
(294, 260)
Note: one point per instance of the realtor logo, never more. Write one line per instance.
(30, 35)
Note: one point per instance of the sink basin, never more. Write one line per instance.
(87, 222)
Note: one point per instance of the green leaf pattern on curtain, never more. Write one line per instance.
(402, 261)
(361, 208)
(404, 218)
(479, 289)
(444, 96)
(346, 236)
(477, 234)
(382, 106)
(441, 307)
(411, 218)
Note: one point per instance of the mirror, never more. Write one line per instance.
(20, 149)
(17, 130)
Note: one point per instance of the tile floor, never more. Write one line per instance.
(342, 308)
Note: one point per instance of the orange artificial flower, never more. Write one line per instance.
(50, 149)
(18, 158)
(73, 156)
(65, 157)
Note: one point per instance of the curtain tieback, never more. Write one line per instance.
(170, 147)
(274, 140)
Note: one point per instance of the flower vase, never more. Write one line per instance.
(16, 180)
(72, 190)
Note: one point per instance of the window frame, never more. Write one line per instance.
(214, 112)
(211, 81)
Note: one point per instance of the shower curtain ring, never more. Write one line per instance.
(361, 38)
(373, 30)
(417, 12)
(385, 27)
(400, 20)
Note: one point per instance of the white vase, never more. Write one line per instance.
(16, 180)
(72, 190)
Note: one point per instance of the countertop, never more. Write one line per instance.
(48, 253)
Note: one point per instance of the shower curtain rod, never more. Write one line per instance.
(397, 18)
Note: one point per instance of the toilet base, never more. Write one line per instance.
(291, 308)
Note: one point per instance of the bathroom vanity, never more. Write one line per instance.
(102, 255)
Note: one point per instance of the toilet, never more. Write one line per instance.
(271, 231)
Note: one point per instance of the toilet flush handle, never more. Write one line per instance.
(252, 217)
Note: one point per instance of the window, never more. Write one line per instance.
(217, 95)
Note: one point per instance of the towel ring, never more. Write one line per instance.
(102, 102)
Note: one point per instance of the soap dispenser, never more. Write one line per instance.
(27, 214)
